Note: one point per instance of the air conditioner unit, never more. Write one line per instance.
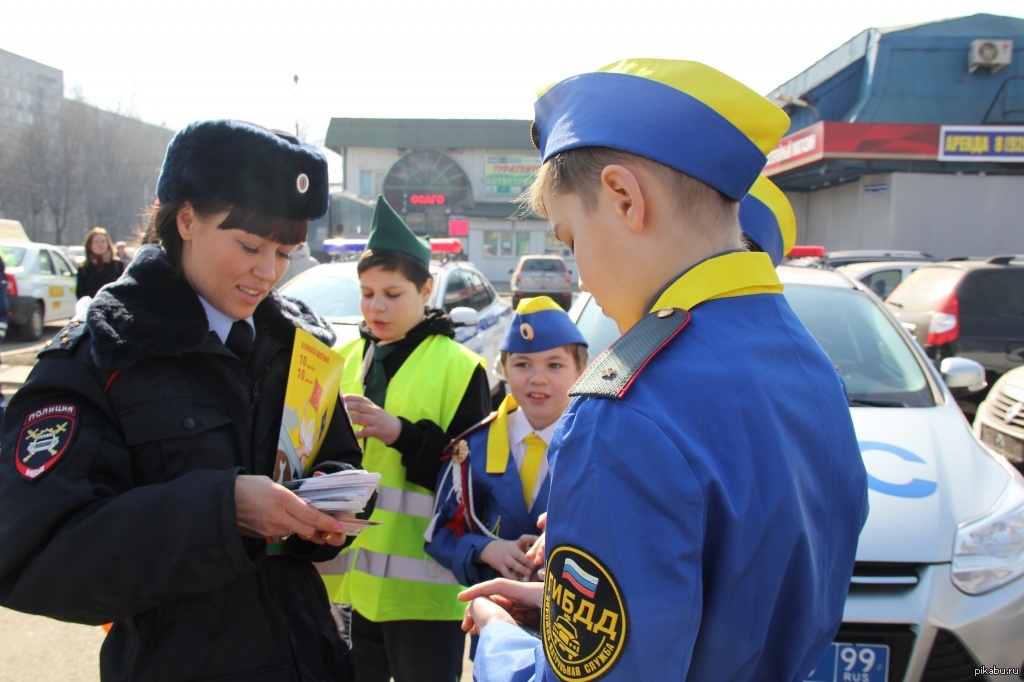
(993, 53)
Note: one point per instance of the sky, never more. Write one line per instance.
(174, 62)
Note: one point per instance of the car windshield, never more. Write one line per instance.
(333, 292)
(13, 255)
(543, 265)
(872, 355)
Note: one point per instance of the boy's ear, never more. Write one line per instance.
(621, 188)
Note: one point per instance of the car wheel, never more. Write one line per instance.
(32, 330)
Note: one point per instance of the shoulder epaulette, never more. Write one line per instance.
(462, 436)
(66, 339)
(612, 372)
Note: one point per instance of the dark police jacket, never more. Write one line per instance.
(117, 474)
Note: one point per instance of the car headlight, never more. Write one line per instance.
(989, 552)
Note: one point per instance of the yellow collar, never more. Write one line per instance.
(497, 437)
(737, 273)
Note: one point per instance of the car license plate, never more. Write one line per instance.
(1003, 443)
(852, 663)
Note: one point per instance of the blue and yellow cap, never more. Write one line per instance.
(540, 324)
(767, 219)
(683, 114)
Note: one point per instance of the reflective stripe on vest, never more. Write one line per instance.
(405, 502)
(391, 566)
(397, 580)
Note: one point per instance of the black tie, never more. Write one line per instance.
(239, 339)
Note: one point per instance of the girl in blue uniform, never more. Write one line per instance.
(495, 489)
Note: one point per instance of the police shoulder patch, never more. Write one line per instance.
(612, 372)
(584, 621)
(46, 434)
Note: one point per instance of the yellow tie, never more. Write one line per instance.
(535, 447)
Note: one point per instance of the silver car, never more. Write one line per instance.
(542, 276)
(937, 591)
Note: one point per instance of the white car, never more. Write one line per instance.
(881, 276)
(479, 315)
(937, 590)
(41, 284)
(999, 422)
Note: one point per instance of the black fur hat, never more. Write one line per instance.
(246, 165)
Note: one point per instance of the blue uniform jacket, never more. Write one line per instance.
(499, 505)
(703, 523)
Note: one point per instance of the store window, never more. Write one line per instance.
(366, 183)
(554, 247)
(505, 243)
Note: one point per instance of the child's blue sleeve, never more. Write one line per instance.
(457, 554)
(507, 653)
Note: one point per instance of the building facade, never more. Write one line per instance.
(910, 138)
(28, 90)
(449, 178)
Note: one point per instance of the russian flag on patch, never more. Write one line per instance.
(581, 580)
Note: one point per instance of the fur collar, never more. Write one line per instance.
(152, 311)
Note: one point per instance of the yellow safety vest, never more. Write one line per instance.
(385, 573)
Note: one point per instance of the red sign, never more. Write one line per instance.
(426, 199)
(458, 227)
(841, 140)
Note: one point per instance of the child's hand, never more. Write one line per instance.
(508, 557)
(376, 422)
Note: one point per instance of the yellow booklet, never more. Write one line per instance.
(314, 379)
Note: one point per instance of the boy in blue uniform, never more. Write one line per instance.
(496, 487)
(707, 489)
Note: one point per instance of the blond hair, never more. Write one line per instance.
(578, 171)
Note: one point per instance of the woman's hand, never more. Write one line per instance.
(508, 557)
(266, 509)
(376, 422)
(502, 600)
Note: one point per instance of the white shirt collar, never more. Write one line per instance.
(220, 324)
(520, 427)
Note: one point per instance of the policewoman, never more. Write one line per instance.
(410, 388)
(134, 475)
(707, 488)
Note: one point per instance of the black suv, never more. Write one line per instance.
(969, 308)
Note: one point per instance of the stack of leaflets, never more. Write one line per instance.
(342, 494)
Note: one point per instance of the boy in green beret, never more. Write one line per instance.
(409, 388)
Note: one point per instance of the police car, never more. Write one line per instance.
(937, 591)
(479, 315)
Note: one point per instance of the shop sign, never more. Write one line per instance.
(982, 143)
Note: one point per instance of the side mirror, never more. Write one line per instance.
(963, 376)
(464, 317)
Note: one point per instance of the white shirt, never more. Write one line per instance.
(519, 428)
(220, 324)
